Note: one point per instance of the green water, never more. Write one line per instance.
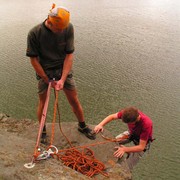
(127, 53)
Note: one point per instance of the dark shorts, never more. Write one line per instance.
(69, 84)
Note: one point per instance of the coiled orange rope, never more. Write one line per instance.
(83, 162)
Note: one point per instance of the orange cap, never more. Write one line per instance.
(59, 17)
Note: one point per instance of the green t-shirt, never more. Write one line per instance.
(50, 48)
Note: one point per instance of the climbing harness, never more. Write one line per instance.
(80, 158)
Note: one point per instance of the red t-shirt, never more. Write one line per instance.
(142, 129)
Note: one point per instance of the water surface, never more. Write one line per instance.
(127, 53)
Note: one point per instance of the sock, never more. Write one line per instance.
(44, 129)
(82, 124)
(44, 132)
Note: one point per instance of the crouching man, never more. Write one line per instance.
(140, 129)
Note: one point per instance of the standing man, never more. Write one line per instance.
(50, 46)
(140, 129)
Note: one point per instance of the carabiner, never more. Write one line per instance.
(47, 154)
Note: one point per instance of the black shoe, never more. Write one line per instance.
(44, 141)
(44, 138)
(87, 132)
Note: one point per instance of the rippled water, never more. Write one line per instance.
(127, 53)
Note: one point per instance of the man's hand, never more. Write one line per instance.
(120, 151)
(59, 85)
(98, 129)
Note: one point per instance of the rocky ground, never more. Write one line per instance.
(18, 139)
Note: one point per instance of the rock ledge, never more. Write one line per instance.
(18, 138)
